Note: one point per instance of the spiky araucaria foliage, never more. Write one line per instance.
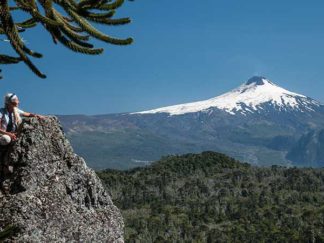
(68, 22)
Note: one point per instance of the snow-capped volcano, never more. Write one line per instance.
(250, 97)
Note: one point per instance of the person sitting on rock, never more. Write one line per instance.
(10, 118)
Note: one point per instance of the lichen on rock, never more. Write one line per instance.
(52, 196)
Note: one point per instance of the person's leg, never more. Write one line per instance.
(4, 169)
(4, 140)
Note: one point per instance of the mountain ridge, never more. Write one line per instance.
(259, 134)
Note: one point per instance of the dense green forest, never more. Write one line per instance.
(210, 197)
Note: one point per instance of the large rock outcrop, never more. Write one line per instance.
(51, 195)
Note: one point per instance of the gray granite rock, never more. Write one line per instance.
(51, 195)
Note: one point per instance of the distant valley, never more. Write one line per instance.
(258, 122)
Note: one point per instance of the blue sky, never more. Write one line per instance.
(184, 51)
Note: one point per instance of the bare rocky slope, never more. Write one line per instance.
(51, 195)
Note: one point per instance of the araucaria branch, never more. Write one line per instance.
(67, 21)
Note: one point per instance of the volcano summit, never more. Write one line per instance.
(257, 93)
(258, 122)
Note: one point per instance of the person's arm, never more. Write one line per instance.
(28, 114)
(10, 134)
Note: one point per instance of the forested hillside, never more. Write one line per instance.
(210, 197)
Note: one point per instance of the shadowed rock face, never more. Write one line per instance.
(52, 195)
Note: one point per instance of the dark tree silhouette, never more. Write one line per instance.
(67, 21)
